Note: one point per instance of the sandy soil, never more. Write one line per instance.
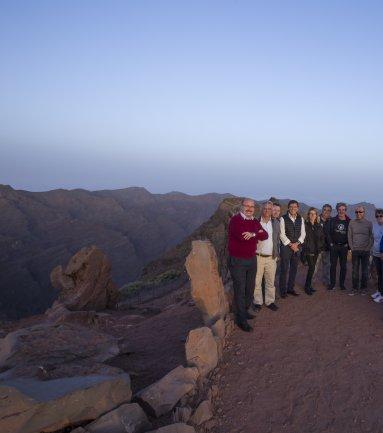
(315, 366)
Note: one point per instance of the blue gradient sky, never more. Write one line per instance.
(248, 97)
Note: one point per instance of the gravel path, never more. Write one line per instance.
(315, 366)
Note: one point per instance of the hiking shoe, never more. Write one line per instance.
(377, 294)
(293, 293)
(244, 326)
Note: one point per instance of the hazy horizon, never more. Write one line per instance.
(281, 98)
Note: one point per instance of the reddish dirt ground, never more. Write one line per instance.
(315, 366)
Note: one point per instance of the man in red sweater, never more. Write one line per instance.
(244, 233)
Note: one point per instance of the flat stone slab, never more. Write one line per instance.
(31, 406)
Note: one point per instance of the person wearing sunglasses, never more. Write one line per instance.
(336, 234)
(377, 251)
(360, 241)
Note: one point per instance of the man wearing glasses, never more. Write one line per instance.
(360, 241)
(336, 235)
(244, 233)
(377, 230)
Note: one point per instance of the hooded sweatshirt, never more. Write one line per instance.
(377, 230)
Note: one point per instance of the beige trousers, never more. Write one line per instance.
(266, 267)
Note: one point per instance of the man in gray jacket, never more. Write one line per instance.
(267, 254)
(360, 241)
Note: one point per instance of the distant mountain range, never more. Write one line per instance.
(39, 230)
(136, 229)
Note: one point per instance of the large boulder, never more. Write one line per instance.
(128, 418)
(85, 283)
(28, 405)
(161, 397)
(206, 284)
(201, 350)
(53, 346)
(175, 428)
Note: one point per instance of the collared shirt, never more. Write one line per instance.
(245, 217)
(284, 239)
(266, 247)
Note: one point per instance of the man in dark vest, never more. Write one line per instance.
(292, 237)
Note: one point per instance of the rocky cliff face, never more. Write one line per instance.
(39, 231)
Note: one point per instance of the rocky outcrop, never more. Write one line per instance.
(128, 418)
(85, 283)
(201, 350)
(31, 406)
(206, 284)
(54, 347)
(162, 396)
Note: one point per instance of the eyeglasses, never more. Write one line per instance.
(359, 211)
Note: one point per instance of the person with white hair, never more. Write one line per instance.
(267, 255)
(360, 241)
(244, 233)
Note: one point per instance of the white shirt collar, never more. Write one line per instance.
(245, 217)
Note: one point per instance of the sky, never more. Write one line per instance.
(281, 98)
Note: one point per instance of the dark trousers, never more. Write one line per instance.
(311, 262)
(338, 252)
(379, 271)
(243, 272)
(360, 263)
(289, 265)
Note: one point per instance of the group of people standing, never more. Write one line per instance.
(260, 249)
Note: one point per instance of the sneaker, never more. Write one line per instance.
(352, 293)
(377, 294)
(378, 299)
(330, 287)
(342, 288)
(363, 292)
(256, 307)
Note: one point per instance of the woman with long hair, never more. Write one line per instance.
(313, 245)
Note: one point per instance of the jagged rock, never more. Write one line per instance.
(181, 414)
(201, 350)
(58, 313)
(219, 328)
(86, 282)
(160, 397)
(50, 345)
(202, 414)
(31, 406)
(175, 428)
(206, 284)
(128, 418)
